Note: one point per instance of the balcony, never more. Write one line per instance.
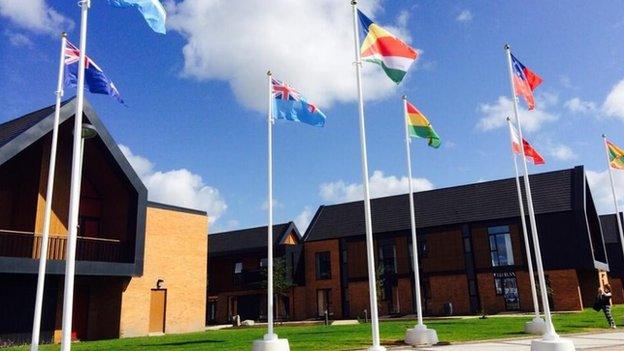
(28, 245)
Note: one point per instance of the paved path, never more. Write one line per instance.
(591, 342)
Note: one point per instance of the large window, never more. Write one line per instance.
(507, 286)
(323, 265)
(387, 256)
(501, 250)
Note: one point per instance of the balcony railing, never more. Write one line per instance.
(28, 245)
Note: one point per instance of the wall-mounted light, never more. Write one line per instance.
(159, 283)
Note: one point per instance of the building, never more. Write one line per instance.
(237, 273)
(138, 262)
(471, 250)
(615, 255)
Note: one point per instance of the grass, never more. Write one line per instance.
(343, 338)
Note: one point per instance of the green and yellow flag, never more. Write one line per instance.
(616, 156)
(419, 127)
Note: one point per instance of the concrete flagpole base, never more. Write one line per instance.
(377, 348)
(552, 344)
(537, 326)
(420, 335)
(271, 343)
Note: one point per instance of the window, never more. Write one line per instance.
(500, 246)
(387, 257)
(323, 265)
(238, 268)
(506, 285)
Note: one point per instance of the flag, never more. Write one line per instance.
(290, 105)
(152, 10)
(95, 80)
(419, 127)
(524, 81)
(616, 156)
(381, 47)
(529, 151)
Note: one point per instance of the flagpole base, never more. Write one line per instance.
(552, 344)
(377, 348)
(270, 343)
(537, 326)
(420, 335)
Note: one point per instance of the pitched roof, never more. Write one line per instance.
(248, 239)
(552, 192)
(11, 129)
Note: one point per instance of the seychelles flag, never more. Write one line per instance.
(290, 105)
(383, 48)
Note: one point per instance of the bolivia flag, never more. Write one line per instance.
(419, 127)
(616, 156)
(383, 48)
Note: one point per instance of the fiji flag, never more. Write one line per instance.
(152, 10)
(95, 80)
(289, 104)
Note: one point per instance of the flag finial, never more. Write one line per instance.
(507, 47)
(508, 119)
(404, 97)
(604, 136)
(269, 73)
(64, 35)
(353, 2)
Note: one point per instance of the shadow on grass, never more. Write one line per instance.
(182, 343)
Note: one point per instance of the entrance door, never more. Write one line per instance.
(249, 307)
(322, 301)
(158, 305)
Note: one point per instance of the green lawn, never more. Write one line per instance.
(339, 338)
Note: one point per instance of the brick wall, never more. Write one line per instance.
(566, 290)
(449, 288)
(617, 290)
(308, 294)
(175, 251)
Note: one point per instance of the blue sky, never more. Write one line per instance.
(195, 128)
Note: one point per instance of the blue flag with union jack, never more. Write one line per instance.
(94, 79)
(290, 105)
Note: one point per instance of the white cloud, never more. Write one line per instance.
(464, 16)
(601, 189)
(302, 220)
(562, 152)
(276, 204)
(613, 105)
(311, 47)
(35, 15)
(495, 114)
(576, 105)
(380, 186)
(18, 39)
(403, 18)
(178, 187)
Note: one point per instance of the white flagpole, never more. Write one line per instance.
(550, 337)
(270, 335)
(43, 256)
(370, 250)
(615, 203)
(74, 197)
(420, 334)
(537, 319)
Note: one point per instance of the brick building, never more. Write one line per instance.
(471, 250)
(615, 256)
(237, 273)
(138, 262)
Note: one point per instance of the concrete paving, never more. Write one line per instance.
(612, 341)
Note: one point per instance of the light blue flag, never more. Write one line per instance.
(290, 105)
(152, 10)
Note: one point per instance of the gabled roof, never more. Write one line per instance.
(552, 192)
(248, 239)
(18, 134)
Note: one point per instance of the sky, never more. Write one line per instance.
(195, 125)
